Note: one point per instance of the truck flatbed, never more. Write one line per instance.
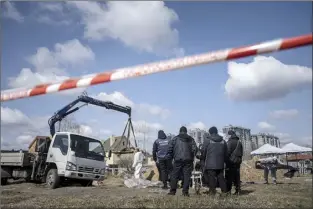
(19, 159)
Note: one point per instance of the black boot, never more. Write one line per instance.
(225, 194)
(172, 192)
(186, 194)
(212, 192)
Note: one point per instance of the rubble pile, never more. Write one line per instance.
(151, 173)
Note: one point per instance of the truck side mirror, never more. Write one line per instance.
(110, 154)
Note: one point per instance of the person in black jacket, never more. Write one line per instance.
(214, 155)
(159, 153)
(182, 150)
(232, 173)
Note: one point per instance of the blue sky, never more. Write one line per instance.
(196, 97)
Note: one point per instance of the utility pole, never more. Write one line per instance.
(144, 136)
(145, 130)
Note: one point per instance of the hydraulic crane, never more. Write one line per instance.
(68, 109)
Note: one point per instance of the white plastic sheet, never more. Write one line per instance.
(140, 183)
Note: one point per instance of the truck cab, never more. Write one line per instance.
(74, 156)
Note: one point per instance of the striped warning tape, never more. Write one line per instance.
(168, 65)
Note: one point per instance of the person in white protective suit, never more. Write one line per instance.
(138, 160)
(270, 166)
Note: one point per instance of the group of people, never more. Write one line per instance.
(175, 160)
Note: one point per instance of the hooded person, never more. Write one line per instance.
(137, 164)
(159, 153)
(182, 149)
(214, 155)
(235, 153)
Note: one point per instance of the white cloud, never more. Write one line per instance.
(25, 140)
(21, 129)
(49, 6)
(282, 135)
(120, 99)
(266, 126)
(197, 125)
(265, 78)
(116, 97)
(307, 141)
(301, 141)
(142, 126)
(52, 65)
(29, 78)
(53, 13)
(284, 138)
(72, 52)
(13, 116)
(105, 132)
(9, 11)
(284, 114)
(18, 129)
(143, 25)
(86, 130)
(5, 144)
(50, 21)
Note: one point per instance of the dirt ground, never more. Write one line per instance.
(293, 193)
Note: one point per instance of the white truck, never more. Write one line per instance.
(67, 157)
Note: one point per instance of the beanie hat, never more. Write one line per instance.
(231, 133)
(213, 130)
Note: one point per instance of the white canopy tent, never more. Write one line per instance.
(293, 148)
(267, 149)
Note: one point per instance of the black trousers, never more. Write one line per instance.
(214, 177)
(232, 176)
(181, 166)
(165, 169)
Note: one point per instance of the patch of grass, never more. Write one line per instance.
(291, 194)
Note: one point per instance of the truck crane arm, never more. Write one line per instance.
(59, 115)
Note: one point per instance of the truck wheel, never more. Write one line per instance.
(28, 179)
(4, 181)
(53, 179)
(86, 183)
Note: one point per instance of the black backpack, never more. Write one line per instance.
(233, 158)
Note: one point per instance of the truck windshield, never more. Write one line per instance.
(85, 147)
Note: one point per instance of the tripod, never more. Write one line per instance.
(129, 127)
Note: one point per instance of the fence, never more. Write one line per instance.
(158, 67)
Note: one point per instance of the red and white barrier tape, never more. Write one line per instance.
(146, 69)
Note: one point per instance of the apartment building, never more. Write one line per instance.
(264, 138)
(197, 134)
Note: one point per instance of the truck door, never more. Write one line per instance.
(58, 152)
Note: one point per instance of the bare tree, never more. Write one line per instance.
(126, 162)
(147, 132)
(69, 124)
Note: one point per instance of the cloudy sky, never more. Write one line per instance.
(43, 42)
